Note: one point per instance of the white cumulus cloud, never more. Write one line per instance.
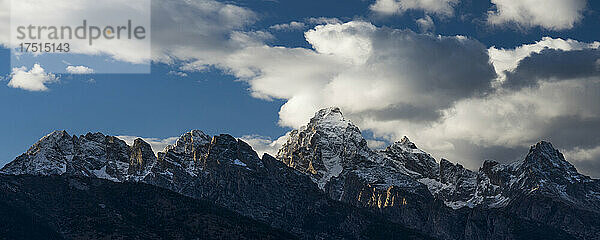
(181, 30)
(292, 26)
(549, 14)
(426, 24)
(508, 59)
(260, 144)
(263, 145)
(376, 144)
(79, 70)
(34, 79)
(364, 69)
(390, 7)
(157, 144)
(323, 20)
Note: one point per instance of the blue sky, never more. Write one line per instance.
(222, 97)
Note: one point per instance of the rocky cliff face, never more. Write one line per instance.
(327, 183)
(141, 158)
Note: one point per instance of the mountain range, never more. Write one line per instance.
(324, 183)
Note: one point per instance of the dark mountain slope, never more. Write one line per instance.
(64, 207)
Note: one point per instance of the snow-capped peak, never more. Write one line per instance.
(50, 140)
(406, 145)
(544, 153)
(406, 142)
(335, 112)
(331, 117)
(550, 165)
(325, 147)
(91, 155)
(55, 135)
(406, 153)
(48, 156)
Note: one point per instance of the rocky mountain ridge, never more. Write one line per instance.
(403, 175)
(329, 146)
(219, 169)
(326, 173)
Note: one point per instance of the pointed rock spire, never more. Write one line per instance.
(546, 163)
(140, 158)
(406, 142)
(329, 118)
(329, 112)
(190, 142)
(325, 147)
(414, 159)
(544, 155)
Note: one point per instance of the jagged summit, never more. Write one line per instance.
(141, 158)
(488, 165)
(329, 112)
(409, 156)
(329, 118)
(92, 154)
(55, 134)
(543, 145)
(544, 153)
(326, 146)
(189, 141)
(546, 164)
(406, 142)
(52, 138)
(406, 145)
